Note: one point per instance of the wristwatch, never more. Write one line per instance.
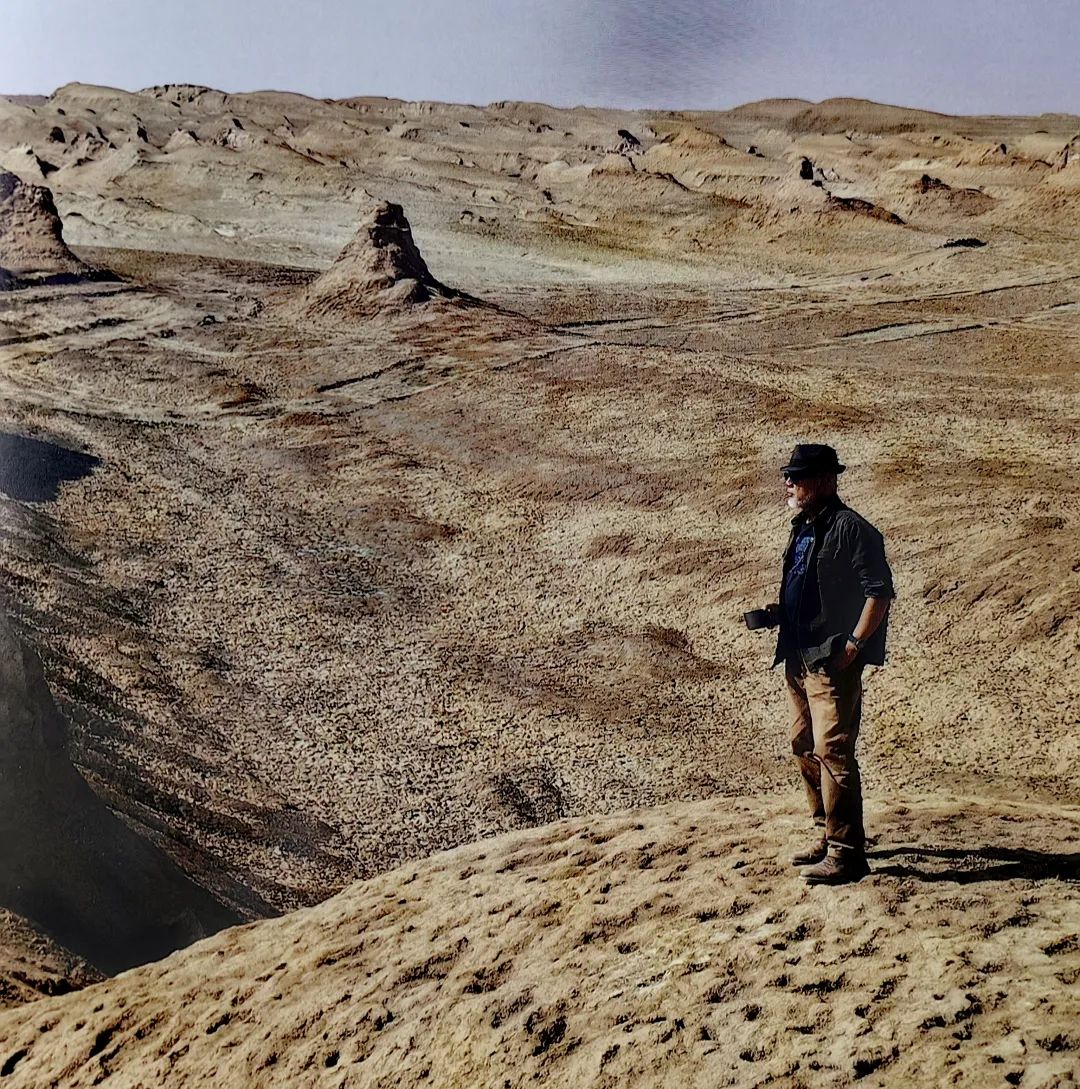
(856, 640)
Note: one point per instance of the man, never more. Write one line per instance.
(835, 593)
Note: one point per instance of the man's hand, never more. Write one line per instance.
(846, 655)
(873, 613)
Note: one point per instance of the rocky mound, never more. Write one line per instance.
(628, 143)
(1053, 204)
(930, 197)
(804, 193)
(696, 139)
(664, 947)
(859, 207)
(1069, 156)
(27, 165)
(380, 270)
(31, 234)
(841, 115)
(181, 138)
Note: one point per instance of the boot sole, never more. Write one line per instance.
(838, 879)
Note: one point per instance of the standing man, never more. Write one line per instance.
(834, 597)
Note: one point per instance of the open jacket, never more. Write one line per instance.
(846, 566)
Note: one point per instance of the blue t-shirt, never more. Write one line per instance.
(796, 576)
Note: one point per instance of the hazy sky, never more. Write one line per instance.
(957, 56)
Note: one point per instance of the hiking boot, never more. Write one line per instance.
(838, 867)
(814, 853)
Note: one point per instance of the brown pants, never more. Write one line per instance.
(825, 713)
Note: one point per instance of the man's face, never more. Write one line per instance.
(802, 491)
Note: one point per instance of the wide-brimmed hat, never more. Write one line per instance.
(812, 459)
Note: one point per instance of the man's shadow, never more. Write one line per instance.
(965, 867)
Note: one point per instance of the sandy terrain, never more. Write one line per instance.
(362, 576)
(665, 947)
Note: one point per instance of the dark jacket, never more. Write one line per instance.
(847, 565)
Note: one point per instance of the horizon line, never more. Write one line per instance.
(548, 105)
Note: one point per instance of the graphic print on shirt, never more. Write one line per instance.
(793, 584)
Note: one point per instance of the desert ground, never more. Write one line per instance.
(378, 645)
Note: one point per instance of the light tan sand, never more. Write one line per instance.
(669, 947)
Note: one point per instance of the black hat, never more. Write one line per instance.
(812, 459)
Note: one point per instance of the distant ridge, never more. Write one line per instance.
(772, 110)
